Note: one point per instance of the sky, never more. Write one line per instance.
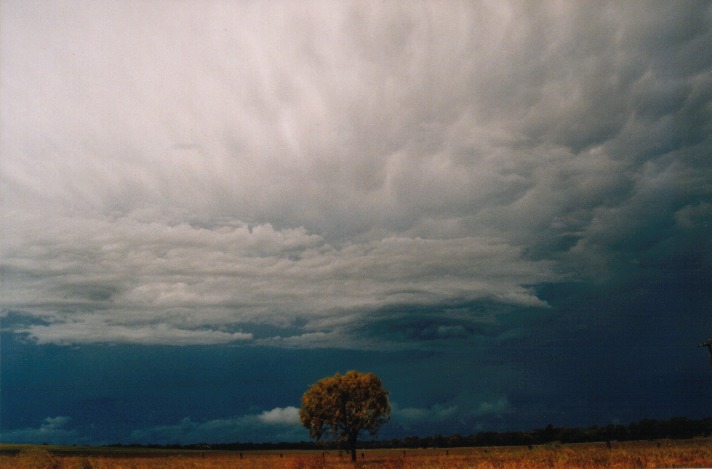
(501, 208)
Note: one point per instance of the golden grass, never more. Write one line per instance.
(687, 453)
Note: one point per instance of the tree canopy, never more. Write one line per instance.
(343, 406)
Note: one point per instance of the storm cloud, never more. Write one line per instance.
(434, 177)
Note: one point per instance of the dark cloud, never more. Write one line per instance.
(517, 194)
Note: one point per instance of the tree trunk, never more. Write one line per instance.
(352, 447)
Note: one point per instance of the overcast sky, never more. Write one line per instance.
(501, 208)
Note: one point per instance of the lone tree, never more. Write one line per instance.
(342, 406)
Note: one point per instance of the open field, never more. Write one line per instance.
(664, 453)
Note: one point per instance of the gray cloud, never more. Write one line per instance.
(450, 411)
(278, 424)
(92, 329)
(142, 282)
(175, 173)
(52, 431)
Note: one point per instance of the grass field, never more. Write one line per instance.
(664, 453)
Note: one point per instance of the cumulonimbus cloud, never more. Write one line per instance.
(175, 175)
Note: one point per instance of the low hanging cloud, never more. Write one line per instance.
(278, 424)
(451, 411)
(280, 415)
(463, 411)
(54, 430)
(185, 174)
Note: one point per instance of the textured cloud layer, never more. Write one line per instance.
(184, 174)
(127, 281)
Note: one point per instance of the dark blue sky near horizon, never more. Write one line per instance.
(503, 209)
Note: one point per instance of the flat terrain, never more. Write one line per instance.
(663, 453)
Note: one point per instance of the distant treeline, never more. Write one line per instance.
(646, 429)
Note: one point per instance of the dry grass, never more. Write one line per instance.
(688, 453)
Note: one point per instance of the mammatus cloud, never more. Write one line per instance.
(186, 174)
